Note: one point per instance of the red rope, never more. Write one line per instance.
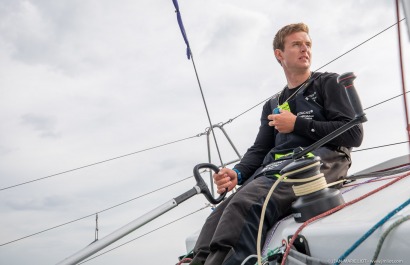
(185, 260)
(311, 220)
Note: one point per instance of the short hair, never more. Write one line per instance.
(279, 40)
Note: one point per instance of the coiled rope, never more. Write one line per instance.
(307, 188)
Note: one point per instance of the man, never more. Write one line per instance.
(311, 106)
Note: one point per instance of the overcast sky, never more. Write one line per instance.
(84, 81)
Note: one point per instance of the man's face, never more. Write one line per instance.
(296, 55)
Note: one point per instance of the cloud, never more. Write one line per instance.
(85, 81)
(4, 150)
(44, 125)
(235, 30)
(43, 204)
(27, 31)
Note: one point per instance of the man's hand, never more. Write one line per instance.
(225, 179)
(283, 122)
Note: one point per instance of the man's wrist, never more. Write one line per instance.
(239, 176)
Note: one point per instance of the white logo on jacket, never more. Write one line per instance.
(307, 114)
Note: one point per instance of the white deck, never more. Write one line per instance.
(330, 237)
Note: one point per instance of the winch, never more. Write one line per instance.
(314, 195)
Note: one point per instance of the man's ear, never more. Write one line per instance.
(278, 54)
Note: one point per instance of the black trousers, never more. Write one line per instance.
(229, 234)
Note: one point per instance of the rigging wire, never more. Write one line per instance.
(189, 54)
(380, 146)
(373, 180)
(104, 210)
(100, 162)
(138, 197)
(360, 44)
(384, 101)
(176, 142)
(251, 108)
(101, 211)
(211, 127)
(207, 112)
(200, 134)
(149, 232)
(143, 195)
(187, 138)
(355, 47)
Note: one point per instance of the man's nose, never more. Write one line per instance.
(304, 47)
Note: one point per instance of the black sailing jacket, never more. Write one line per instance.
(321, 106)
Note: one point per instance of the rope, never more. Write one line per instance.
(184, 260)
(248, 258)
(265, 204)
(337, 208)
(384, 173)
(230, 120)
(318, 184)
(345, 191)
(273, 231)
(371, 231)
(377, 179)
(384, 235)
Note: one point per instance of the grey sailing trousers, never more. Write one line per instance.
(230, 232)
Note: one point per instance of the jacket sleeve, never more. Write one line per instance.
(264, 142)
(337, 110)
